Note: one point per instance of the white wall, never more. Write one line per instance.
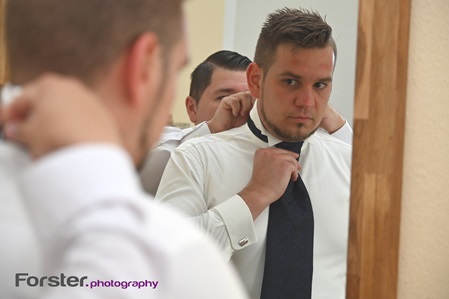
(244, 19)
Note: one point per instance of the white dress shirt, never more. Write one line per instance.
(20, 249)
(157, 158)
(204, 175)
(91, 218)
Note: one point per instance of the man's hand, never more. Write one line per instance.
(273, 168)
(232, 112)
(332, 120)
(54, 112)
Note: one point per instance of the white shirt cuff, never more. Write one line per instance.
(238, 221)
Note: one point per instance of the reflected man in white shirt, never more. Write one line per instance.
(226, 182)
(80, 200)
(218, 100)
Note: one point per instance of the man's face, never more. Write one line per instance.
(295, 91)
(223, 83)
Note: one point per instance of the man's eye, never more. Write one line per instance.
(221, 97)
(290, 82)
(320, 85)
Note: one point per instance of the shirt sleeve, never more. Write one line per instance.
(157, 158)
(93, 221)
(344, 133)
(197, 131)
(229, 222)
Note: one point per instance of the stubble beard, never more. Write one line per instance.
(279, 132)
(151, 117)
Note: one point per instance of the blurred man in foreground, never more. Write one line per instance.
(81, 212)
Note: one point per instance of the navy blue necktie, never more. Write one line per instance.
(289, 246)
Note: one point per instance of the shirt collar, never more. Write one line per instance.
(272, 140)
(254, 114)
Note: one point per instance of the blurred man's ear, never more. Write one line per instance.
(191, 109)
(254, 75)
(143, 69)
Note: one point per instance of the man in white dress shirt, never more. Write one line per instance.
(226, 182)
(75, 222)
(218, 100)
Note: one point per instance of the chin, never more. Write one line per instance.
(297, 135)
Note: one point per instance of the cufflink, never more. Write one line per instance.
(243, 241)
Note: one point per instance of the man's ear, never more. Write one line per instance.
(254, 75)
(143, 67)
(191, 109)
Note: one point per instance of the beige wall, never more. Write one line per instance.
(424, 246)
(205, 19)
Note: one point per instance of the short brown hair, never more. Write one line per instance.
(82, 38)
(300, 28)
(201, 76)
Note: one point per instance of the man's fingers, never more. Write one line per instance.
(247, 103)
(18, 110)
(285, 152)
(295, 167)
(295, 175)
(9, 129)
(16, 131)
(240, 103)
(234, 103)
(15, 116)
(291, 157)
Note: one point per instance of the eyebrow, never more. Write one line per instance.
(225, 90)
(290, 74)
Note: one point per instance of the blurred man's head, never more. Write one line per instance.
(128, 52)
(292, 72)
(220, 75)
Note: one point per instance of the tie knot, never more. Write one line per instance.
(291, 146)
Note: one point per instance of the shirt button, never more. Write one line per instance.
(243, 241)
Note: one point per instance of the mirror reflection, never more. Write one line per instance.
(210, 177)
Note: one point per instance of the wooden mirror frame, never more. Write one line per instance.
(378, 148)
(3, 66)
(379, 112)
